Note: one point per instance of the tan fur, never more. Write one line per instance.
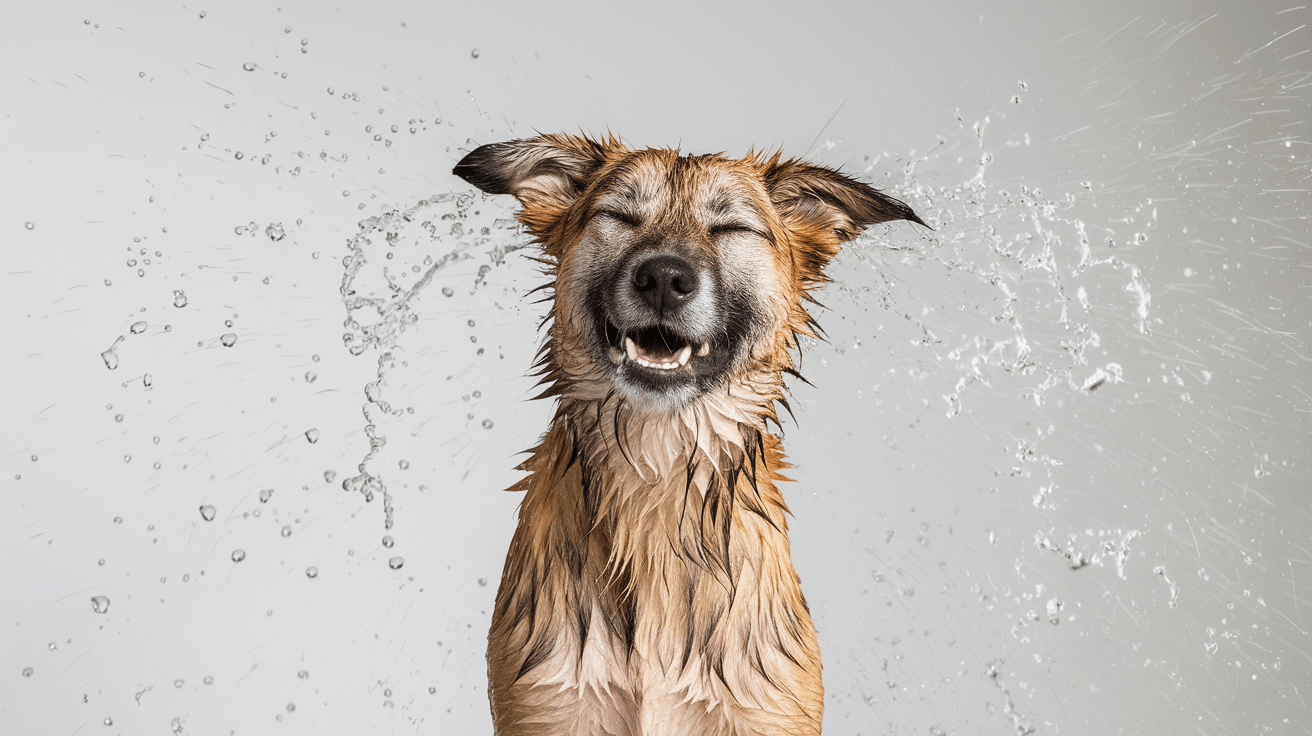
(649, 587)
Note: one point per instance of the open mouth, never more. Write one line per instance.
(654, 348)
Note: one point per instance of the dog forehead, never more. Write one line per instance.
(660, 180)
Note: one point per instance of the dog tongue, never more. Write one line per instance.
(656, 354)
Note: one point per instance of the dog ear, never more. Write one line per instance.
(546, 171)
(824, 209)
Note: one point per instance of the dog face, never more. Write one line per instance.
(674, 275)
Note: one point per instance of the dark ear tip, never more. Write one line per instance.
(479, 168)
(913, 217)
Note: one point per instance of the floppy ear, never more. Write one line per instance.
(549, 171)
(824, 209)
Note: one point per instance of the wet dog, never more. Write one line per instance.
(648, 588)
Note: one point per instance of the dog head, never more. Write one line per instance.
(675, 275)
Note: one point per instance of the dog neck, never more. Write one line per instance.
(657, 490)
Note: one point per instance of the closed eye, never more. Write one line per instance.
(732, 227)
(622, 217)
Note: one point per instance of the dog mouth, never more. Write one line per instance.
(655, 348)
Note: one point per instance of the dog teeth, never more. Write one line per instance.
(683, 355)
(680, 360)
(704, 350)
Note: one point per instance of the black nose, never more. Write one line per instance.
(665, 283)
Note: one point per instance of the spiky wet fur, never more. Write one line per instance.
(649, 588)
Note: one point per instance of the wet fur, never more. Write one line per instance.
(648, 588)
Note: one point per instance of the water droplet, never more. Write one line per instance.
(396, 562)
(28, 225)
(329, 476)
(111, 356)
(312, 435)
(487, 424)
(202, 13)
(404, 464)
(138, 328)
(101, 562)
(311, 376)
(291, 707)
(207, 512)
(238, 555)
(179, 298)
(239, 155)
(109, 721)
(179, 682)
(118, 519)
(248, 66)
(27, 672)
(474, 53)
(388, 541)
(482, 582)
(312, 572)
(303, 674)
(265, 495)
(228, 339)
(99, 604)
(275, 231)
(448, 291)
(52, 646)
(432, 690)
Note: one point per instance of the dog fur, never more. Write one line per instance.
(648, 588)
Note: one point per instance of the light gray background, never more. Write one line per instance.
(1140, 218)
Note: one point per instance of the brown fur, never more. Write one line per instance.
(649, 588)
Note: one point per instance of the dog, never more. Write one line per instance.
(648, 588)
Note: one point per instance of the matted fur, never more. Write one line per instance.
(649, 588)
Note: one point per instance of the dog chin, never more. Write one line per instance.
(648, 398)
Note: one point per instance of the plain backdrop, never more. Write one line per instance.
(1052, 471)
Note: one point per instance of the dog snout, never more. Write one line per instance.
(665, 283)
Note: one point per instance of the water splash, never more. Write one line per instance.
(1007, 243)
(380, 301)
